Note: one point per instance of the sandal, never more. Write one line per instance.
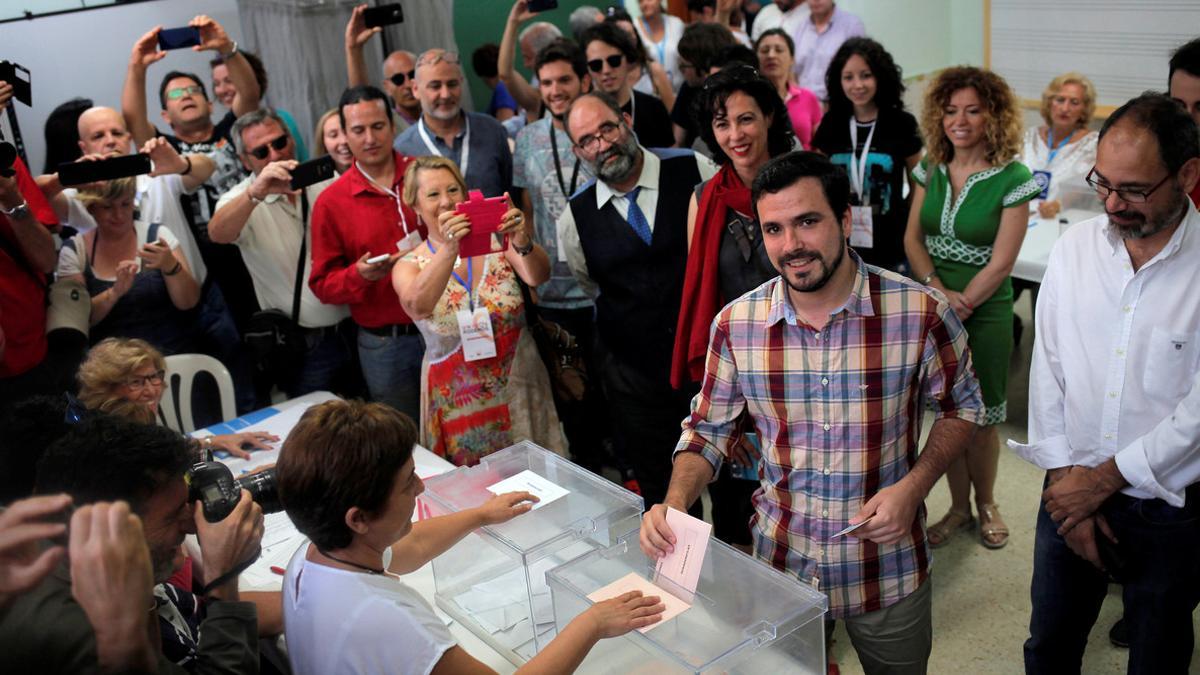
(993, 533)
(952, 522)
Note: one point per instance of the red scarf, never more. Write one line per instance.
(702, 283)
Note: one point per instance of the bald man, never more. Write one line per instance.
(399, 69)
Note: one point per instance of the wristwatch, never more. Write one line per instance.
(232, 52)
(523, 251)
(17, 212)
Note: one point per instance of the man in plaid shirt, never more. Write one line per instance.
(833, 363)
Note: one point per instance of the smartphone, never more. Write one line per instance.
(312, 171)
(541, 5)
(384, 15)
(377, 259)
(178, 38)
(78, 173)
(20, 79)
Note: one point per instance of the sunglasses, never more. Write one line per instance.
(262, 151)
(400, 78)
(180, 92)
(614, 61)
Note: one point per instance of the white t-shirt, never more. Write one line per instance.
(70, 258)
(270, 246)
(157, 201)
(352, 623)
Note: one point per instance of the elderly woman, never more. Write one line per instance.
(331, 140)
(1062, 151)
(968, 219)
(127, 377)
(776, 56)
(487, 392)
(138, 279)
(346, 609)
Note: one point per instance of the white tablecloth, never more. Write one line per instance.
(1040, 239)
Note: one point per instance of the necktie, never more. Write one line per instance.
(637, 219)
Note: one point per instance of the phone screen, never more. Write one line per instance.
(178, 38)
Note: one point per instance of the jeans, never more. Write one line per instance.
(392, 368)
(1161, 587)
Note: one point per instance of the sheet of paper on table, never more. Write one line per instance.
(682, 565)
(635, 582)
(528, 481)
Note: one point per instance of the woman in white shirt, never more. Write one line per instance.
(347, 480)
(1062, 151)
(660, 34)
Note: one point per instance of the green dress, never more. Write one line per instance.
(959, 234)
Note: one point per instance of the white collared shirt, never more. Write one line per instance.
(647, 200)
(1115, 360)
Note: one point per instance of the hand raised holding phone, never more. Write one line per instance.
(274, 179)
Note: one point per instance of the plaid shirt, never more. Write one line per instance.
(838, 412)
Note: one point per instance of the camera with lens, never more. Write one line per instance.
(213, 485)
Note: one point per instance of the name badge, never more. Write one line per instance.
(478, 341)
(862, 229)
(409, 242)
(1042, 178)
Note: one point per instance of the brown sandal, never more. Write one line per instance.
(952, 522)
(992, 536)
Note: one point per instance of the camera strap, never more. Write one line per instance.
(231, 574)
(303, 256)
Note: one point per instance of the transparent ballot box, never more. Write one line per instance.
(745, 617)
(494, 580)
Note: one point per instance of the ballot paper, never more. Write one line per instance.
(682, 565)
(528, 481)
(634, 582)
(843, 532)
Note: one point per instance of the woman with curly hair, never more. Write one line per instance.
(968, 219)
(869, 133)
(1062, 151)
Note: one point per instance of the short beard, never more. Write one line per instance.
(443, 116)
(827, 271)
(1148, 227)
(620, 169)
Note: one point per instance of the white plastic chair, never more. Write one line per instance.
(176, 402)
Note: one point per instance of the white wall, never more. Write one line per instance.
(86, 53)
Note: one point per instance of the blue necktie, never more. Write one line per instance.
(637, 219)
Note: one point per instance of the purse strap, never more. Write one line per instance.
(303, 253)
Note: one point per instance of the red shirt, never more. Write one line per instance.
(350, 218)
(23, 296)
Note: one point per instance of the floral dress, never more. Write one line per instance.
(470, 409)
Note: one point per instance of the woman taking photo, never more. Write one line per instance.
(1062, 151)
(868, 132)
(776, 56)
(968, 219)
(743, 120)
(484, 395)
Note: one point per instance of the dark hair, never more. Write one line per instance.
(1163, 116)
(735, 55)
(777, 32)
(256, 66)
(175, 74)
(62, 133)
(562, 50)
(614, 15)
(341, 454)
(30, 426)
(1187, 57)
(786, 170)
(699, 6)
(612, 36)
(889, 85)
(363, 92)
(701, 42)
(106, 458)
(485, 60)
(711, 103)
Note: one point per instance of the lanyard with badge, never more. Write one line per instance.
(1042, 177)
(474, 323)
(862, 229)
(660, 47)
(562, 185)
(466, 144)
(411, 238)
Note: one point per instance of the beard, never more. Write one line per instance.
(442, 113)
(1142, 226)
(811, 284)
(624, 158)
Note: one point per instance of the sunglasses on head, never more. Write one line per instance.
(400, 78)
(262, 151)
(614, 61)
(180, 92)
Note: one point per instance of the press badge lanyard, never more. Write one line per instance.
(558, 166)
(466, 146)
(391, 193)
(660, 47)
(465, 284)
(858, 165)
(1053, 148)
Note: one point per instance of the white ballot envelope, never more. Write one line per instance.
(682, 566)
(528, 481)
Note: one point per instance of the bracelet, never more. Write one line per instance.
(174, 270)
(523, 250)
(928, 278)
(188, 170)
(232, 52)
(18, 207)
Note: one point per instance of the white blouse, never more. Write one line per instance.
(1070, 165)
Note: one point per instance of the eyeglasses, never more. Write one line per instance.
(180, 92)
(613, 61)
(1127, 195)
(262, 151)
(433, 57)
(400, 78)
(143, 381)
(609, 131)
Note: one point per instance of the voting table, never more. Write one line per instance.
(1040, 239)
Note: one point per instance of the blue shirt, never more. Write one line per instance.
(489, 168)
(501, 99)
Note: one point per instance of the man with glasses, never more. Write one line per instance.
(476, 142)
(399, 69)
(624, 237)
(269, 223)
(612, 59)
(1114, 402)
